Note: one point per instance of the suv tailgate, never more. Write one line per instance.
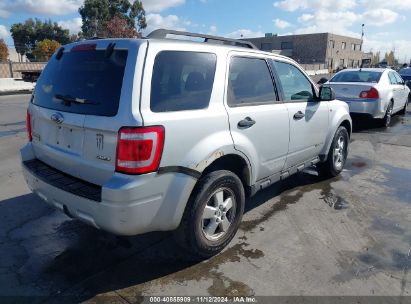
(80, 102)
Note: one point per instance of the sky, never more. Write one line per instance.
(387, 22)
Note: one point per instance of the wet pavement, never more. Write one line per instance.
(350, 235)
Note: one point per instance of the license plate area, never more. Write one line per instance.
(68, 138)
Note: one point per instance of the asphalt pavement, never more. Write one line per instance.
(346, 236)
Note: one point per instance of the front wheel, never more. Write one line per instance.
(404, 110)
(212, 215)
(388, 114)
(337, 154)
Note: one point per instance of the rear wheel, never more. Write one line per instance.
(212, 215)
(388, 114)
(404, 110)
(337, 154)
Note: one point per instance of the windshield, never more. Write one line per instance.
(83, 82)
(357, 76)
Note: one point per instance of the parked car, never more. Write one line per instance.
(157, 134)
(378, 93)
(405, 74)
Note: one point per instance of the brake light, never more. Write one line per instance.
(139, 149)
(84, 47)
(28, 126)
(371, 93)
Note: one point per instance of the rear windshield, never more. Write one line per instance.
(83, 82)
(357, 76)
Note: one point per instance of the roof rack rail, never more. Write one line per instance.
(162, 34)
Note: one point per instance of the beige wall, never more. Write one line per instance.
(337, 53)
(17, 66)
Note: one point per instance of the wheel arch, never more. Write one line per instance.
(234, 163)
(345, 121)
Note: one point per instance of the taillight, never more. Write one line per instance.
(28, 126)
(139, 149)
(371, 93)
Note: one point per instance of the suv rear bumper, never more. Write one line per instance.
(129, 205)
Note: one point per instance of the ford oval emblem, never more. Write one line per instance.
(57, 118)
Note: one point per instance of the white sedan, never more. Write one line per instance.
(379, 93)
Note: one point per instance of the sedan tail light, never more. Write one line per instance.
(28, 126)
(139, 149)
(371, 93)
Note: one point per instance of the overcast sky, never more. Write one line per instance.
(387, 22)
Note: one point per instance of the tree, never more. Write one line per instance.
(4, 52)
(98, 14)
(375, 58)
(390, 58)
(27, 34)
(119, 28)
(45, 48)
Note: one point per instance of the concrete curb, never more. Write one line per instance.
(5, 93)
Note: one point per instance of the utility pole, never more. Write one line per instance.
(362, 34)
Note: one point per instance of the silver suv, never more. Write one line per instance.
(157, 134)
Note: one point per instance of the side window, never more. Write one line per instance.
(249, 82)
(294, 84)
(399, 78)
(182, 81)
(392, 78)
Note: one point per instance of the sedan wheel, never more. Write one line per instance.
(405, 109)
(387, 118)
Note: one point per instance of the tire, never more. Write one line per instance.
(337, 155)
(404, 110)
(385, 122)
(207, 227)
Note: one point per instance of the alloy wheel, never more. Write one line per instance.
(339, 153)
(218, 214)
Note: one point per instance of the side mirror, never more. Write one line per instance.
(327, 94)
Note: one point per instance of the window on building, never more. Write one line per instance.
(341, 62)
(266, 46)
(343, 45)
(351, 64)
(331, 44)
(330, 63)
(286, 45)
(358, 47)
(352, 46)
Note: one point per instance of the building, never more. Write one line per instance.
(315, 51)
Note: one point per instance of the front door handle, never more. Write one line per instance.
(299, 115)
(246, 123)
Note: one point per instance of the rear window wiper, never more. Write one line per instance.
(68, 100)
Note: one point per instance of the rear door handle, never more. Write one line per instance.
(246, 123)
(299, 115)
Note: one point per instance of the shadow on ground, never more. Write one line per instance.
(362, 123)
(47, 254)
